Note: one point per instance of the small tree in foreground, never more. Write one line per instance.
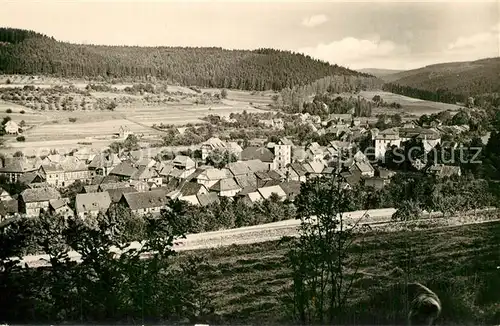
(319, 257)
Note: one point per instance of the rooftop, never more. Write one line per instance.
(124, 169)
(208, 198)
(227, 184)
(40, 194)
(266, 192)
(239, 168)
(259, 153)
(147, 199)
(91, 202)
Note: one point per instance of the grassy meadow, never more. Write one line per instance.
(409, 105)
(461, 264)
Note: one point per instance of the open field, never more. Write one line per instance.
(56, 130)
(29, 116)
(257, 98)
(179, 114)
(461, 264)
(409, 105)
(52, 128)
(68, 130)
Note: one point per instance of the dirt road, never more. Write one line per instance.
(251, 234)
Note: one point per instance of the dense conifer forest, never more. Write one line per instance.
(28, 52)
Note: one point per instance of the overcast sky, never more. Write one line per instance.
(397, 35)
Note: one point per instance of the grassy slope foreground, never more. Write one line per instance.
(27, 52)
(471, 78)
(460, 264)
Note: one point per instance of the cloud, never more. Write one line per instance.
(479, 45)
(476, 40)
(354, 52)
(315, 20)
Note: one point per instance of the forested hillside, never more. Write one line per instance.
(27, 52)
(380, 73)
(448, 82)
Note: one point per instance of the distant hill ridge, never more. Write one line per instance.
(470, 78)
(28, 52)
(380, 73)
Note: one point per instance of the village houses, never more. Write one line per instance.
(215, 144)
(259, 153)
(37, 200)
(91, 204)
(142, 203)
(103, 163)
(16, 167)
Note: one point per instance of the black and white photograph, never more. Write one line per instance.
(205, 163)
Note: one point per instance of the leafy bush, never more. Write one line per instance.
(8, 110)
(22, 112)
(72, 119)
(111, 106)
(160, 288)
(20, 138)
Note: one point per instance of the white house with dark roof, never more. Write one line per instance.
(210, 176)
(125, 170)
(15, 167)
(61, 207)
(212, 144)
(89, 205)
(384, 140)
(226, 187)
(103, 163)
(291, 189)
(147, 174)
(259, 153)
(297, 172)
(314, 168)
(190, 191)
(184, 162)
(142, 203)
(34, 201)
(54, 174)
(363, 168)
(74, 169)
(315, 152)
(249, 195)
